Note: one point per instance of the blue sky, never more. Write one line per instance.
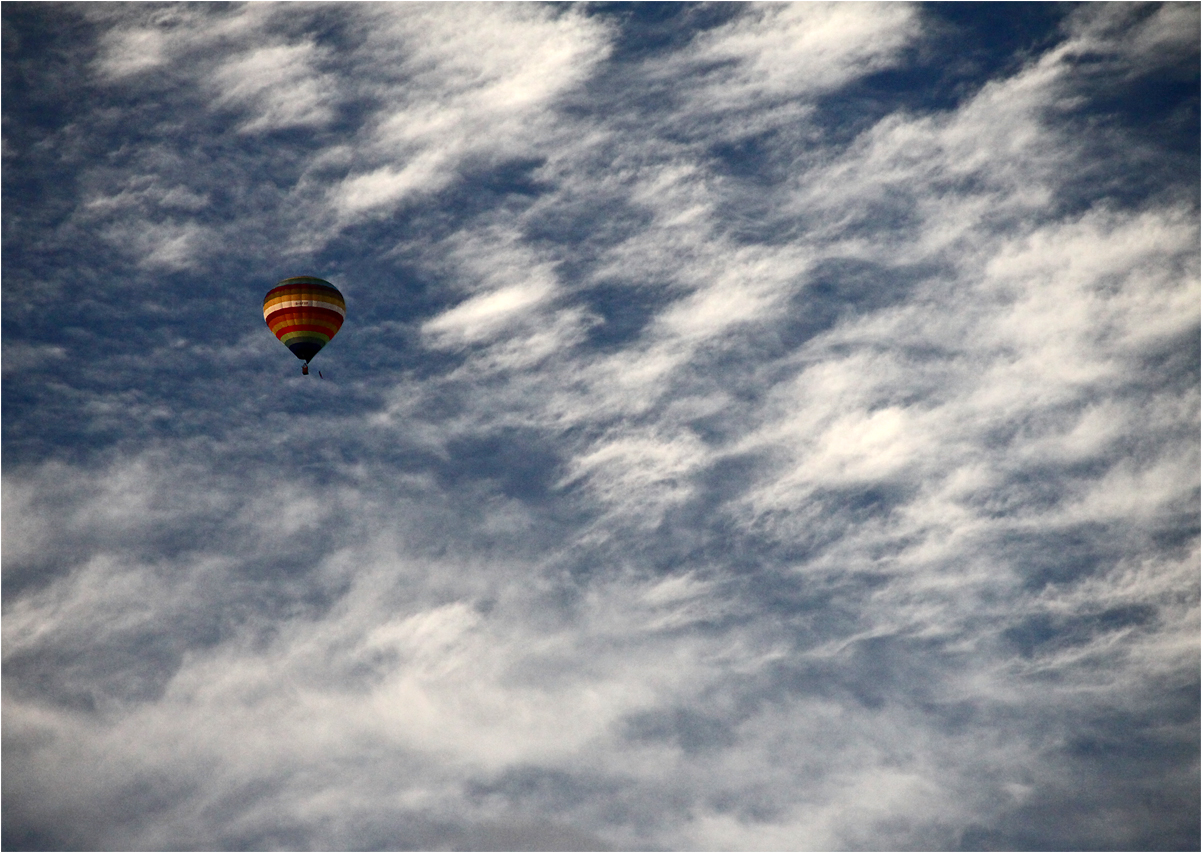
(754, 427)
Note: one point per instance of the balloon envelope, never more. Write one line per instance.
(304, 313)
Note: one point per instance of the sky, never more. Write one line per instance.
(754, 427)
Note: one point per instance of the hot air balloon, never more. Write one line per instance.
(304, 313)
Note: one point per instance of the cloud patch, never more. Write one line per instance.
(751, 428)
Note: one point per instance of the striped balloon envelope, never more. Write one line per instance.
(304, 313)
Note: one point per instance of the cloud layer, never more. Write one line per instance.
(755, 427)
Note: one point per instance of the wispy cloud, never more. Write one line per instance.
(732, 444)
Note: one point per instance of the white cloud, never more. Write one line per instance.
(279, 86)
(146, 191)
(131, 51)
(482, 314)
(871, 496)
(796, 50)
(138, 40)
(1151, 36)
(641, 473)
(387, 184)
(478, 82)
